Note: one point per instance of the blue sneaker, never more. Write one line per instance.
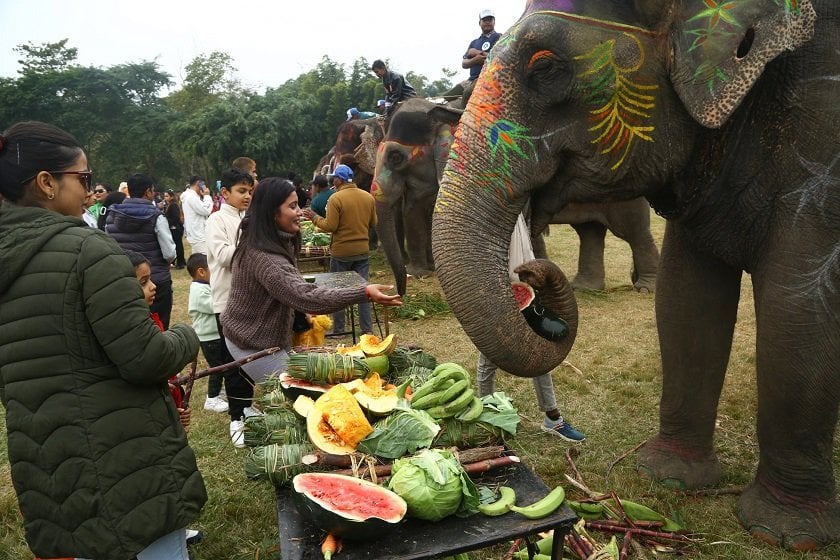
(563, 430)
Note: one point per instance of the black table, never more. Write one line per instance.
(344, 279)
(416, 539)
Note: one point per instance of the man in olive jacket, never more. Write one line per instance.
(99, 459)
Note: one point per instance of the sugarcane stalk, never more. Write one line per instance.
(465, 456)
(471, 469)
(625, 546)
(598, 526)
(574, 546)
(190, 381)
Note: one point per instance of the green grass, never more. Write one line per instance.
(609, 390)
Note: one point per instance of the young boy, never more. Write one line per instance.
(222, 228)
(200, 308)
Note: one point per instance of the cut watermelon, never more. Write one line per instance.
(542, 321)
(346, 506)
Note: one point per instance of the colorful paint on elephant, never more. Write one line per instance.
(621, 105)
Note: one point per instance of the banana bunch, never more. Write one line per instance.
(447, 393)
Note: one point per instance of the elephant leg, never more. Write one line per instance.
(590, 274)
(696, 306)
(645, 261)
(793, 503)
(429, 260)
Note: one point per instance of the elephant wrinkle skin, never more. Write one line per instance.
(726, 119)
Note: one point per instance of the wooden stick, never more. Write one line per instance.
(598, 526)
(465, 456)
(190, 381)
(569, 452)
(625, 546)
(182, 379)
(471, 469)
(513, 548)
(620, 458)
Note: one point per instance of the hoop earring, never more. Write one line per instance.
(52, 195)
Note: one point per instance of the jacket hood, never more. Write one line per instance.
(130, 216)
(23, 232)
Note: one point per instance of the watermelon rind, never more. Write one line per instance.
(338, 513)
(293, 387)
(523, 294)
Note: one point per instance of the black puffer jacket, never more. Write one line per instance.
(100, 462)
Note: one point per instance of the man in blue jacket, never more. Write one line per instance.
(477, 51)
(138, 225)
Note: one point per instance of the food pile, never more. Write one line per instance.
(371, 434)
(314, 242)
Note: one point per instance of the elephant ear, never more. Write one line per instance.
(447, 119)
(721, 48)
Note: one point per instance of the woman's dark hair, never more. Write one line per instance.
(136, 258)
(29, 147)
(258, 229)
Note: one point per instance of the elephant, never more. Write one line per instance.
(725, 116)
(410, 162)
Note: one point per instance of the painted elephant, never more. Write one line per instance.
(410, 162)
(725, 115)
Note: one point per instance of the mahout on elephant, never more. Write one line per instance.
(410, 162)
(725, 116)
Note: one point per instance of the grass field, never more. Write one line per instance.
(609, 390)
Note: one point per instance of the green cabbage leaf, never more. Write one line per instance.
(404, 431)
(433, 484)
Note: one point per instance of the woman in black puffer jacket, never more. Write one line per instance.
(99, 460)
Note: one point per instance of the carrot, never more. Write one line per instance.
(330, 545)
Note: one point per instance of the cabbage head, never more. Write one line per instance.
(433, 484)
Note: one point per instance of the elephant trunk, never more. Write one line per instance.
(386, 228)
(471, 234)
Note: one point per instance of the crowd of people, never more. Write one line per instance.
(89, 349)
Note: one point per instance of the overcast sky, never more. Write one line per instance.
(270, 41)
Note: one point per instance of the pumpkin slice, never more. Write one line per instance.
(355, 350)
(372, 346)
(372, 395)
(336, 423)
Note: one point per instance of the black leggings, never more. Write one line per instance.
(239, 387)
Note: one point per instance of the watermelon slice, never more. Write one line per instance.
(543, 321)
(346, 506)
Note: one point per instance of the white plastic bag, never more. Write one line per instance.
(520, 247)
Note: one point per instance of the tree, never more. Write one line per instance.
(208, 78)
(45, 58)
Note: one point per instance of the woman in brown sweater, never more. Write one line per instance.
(266, 287)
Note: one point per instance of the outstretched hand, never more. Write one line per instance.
(376, 294)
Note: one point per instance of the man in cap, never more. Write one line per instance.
(351, 213)
(354, 114)
(477, 51)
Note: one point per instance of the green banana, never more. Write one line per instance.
(454, 374)
(427, 401)
(502, 505)
(461, 402)
(639, 512)
(472, 413)
(431, 385)
(456, 389)
(587, 510)
(543, 507)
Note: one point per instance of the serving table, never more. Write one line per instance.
(416, 539)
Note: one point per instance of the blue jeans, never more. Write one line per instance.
(363, 268)
(169, 547)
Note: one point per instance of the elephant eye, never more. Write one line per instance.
(548, 74)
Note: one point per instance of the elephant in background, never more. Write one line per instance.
(725, 116)
(410, 162)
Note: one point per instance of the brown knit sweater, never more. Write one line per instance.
(265, 290)
(351, 212)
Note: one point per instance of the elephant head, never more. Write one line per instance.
(409, 163)
(587, 101)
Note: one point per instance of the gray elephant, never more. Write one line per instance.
(409, 163)
(726, 116)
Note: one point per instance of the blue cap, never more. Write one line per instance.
(343, 172)
(352, 112)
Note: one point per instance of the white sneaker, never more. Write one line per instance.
(237, 433)
(215, 404)
(252, 411)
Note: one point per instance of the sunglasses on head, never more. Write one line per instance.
(85, 177)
